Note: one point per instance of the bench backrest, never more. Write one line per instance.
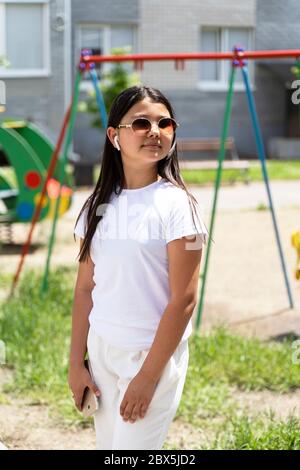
(203, 144)
(211, 144)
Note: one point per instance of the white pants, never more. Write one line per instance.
(113, 369)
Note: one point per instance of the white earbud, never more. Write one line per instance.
(116, 141)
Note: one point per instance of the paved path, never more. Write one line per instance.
(242, 196)
(236, 197)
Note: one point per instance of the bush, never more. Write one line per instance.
(112, 83)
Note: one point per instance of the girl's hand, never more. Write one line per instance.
(79, 378)
(137, 397)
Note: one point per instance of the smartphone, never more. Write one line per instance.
(90, 403)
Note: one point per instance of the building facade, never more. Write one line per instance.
(99, 26)
(35, 37)
(39, 81)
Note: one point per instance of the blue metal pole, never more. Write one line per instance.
(99, 97)
(262, 157)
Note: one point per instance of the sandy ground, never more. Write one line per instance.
(245, 290)
(245, 285)
(27, 426)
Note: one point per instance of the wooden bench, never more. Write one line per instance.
(211, 144)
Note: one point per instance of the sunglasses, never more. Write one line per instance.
(142, 125)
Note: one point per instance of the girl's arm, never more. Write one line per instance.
(79, 377)
(184, 265)
(82, 305)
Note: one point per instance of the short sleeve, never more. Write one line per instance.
(80, 228)
(180, 222)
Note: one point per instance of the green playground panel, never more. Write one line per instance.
(29, 152)
(43, 147)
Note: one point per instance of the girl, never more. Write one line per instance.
(137, 284)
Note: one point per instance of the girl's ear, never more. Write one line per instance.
(111, 134)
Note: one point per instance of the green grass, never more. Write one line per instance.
(249, 364)
(262, 207)
(220, 362)
(277, 170)
(239, 432)
(36, 331)
(289, 170)
(5, 280)
(261, 433)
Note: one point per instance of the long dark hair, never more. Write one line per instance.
(111, 178)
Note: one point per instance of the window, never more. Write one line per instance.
(24, 38)
(101, 39)
(215, 74)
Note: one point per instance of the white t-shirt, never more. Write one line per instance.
(129, 251)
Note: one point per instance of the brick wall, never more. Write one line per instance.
(174, 26)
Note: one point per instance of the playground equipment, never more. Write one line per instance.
(28, 152)
(238, 59)
(295, 239)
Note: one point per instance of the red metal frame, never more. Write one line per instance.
(179, 57)
(38, 208)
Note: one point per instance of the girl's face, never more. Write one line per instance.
(148, 147)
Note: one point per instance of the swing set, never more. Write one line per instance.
(238, 58)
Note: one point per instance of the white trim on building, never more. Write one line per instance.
(106, 29)
(45, 70)
(223, 71)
